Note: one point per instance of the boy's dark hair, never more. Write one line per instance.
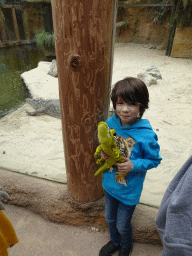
(131, 90)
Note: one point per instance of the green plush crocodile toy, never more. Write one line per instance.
(108, 145)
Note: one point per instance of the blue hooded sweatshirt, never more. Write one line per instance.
(144, 155)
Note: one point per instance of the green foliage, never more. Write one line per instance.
(162, 14)
(182, 13)
(185, 3)
(102, 230)
(2, 15)
(185, 17)
(45, 40)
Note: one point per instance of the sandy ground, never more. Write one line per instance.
(33, 145)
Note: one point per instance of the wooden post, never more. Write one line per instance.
(2, 29)
(83, 32)
(15, 24)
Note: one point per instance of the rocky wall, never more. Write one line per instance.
(140, 27)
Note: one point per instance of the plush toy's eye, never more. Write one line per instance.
(114, 133)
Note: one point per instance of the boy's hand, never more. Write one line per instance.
(105, 155)
(3, 195)
(126, 166)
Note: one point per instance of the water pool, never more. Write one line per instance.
(13, 62)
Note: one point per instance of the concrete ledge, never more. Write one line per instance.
(52, 201)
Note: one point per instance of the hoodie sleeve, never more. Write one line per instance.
(150, 155)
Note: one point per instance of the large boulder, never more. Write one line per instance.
(53, 69)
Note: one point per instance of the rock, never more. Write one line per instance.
(154, 71)
(39, 83)
(52, 201)
(53, 69)
(150, 46)
(147, 79)
(94, 229)
(150, 76)
(144, 226)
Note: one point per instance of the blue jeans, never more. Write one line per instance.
(118, 217)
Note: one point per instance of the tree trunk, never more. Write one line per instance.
(83, 36)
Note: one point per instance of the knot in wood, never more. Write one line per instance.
(75, 62)
(88, 121)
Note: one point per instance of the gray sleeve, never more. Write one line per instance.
(174, 217)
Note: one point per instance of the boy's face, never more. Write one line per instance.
(127, 112)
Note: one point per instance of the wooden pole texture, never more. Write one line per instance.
(83, 32)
